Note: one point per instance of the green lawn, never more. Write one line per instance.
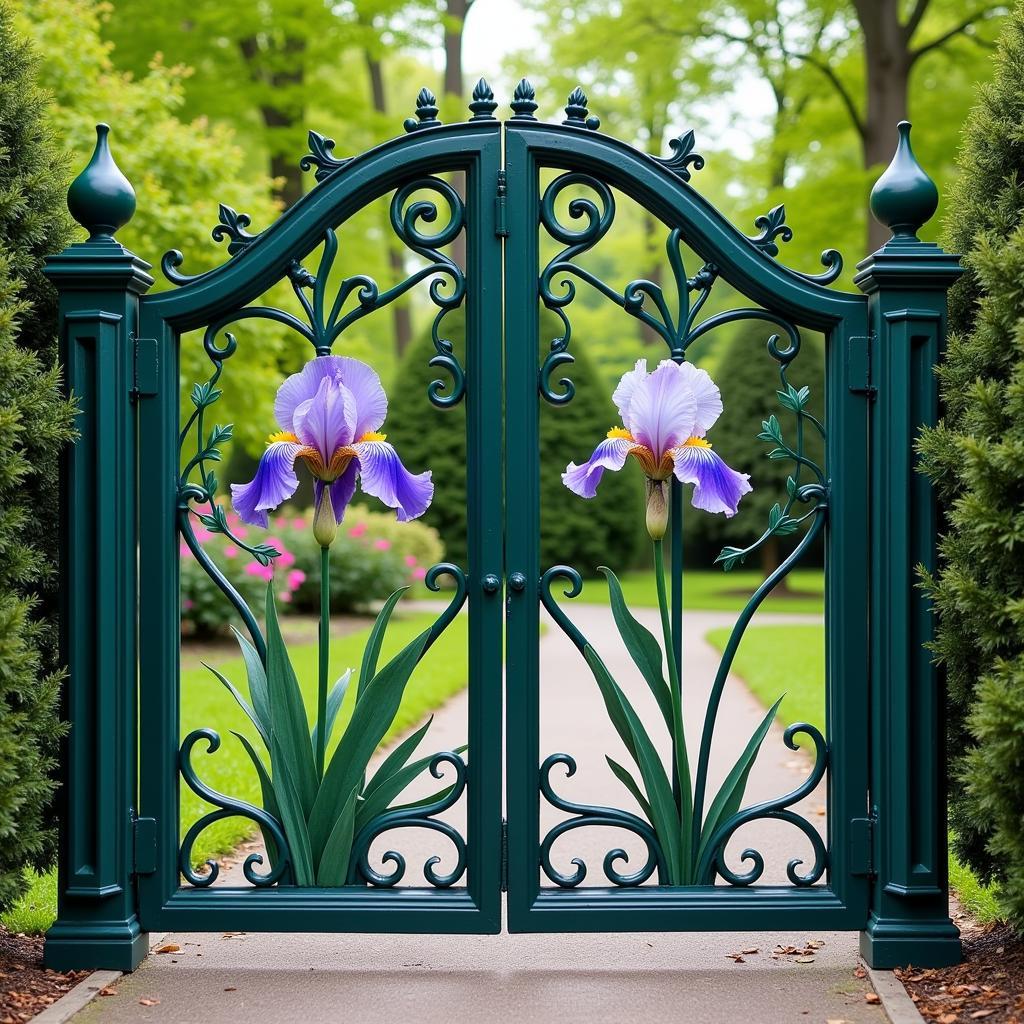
(714, 590)
(791, 659)
(205, 702)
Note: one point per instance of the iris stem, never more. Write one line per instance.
(666, 627)
(325, 643)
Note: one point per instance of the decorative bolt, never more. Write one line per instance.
(483, 104)
(517, 581)
(101, 198)
(904, 197)
(523, 104)
(491, 583)
(426, 111)
(576, 111)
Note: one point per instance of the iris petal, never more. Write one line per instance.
(275, 482)
(716, 487)
(611, 453)
(382, 474)
(371, 404)
(706, 394)
(326, 421)
(662, 409)
(623, 393)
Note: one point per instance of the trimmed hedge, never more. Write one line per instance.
(35, 423)
(976, 459)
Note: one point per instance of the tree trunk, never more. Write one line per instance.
(400, 310)
(771, 559)
(887, 61)
(283, 165)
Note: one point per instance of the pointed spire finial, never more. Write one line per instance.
(576, 111)
(904, 197)
(426, 111)
(523, 102)
(483, 104)
(101, 198)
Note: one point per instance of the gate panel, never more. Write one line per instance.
(718, 889)
(465, 892)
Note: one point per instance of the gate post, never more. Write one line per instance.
(99, 284)
(906, 282)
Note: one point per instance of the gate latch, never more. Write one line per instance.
(144, 384)
(862, 841)
(858, 367)
(145, 845)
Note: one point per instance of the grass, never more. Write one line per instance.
(37, 908)
(714, 590)
(205, 702)
(791, 659)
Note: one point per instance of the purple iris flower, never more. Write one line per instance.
(666, 415)
(329, 413)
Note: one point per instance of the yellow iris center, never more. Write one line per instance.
(373, 435)
(619, 432)
(696, 442)
(282, 435)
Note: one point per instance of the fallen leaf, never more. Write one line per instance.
(805, 959)
(230, 988)
(146, 1001)
(751, 951)
(108, 991)
(171, 947)
(947, 1018)
(859, 972)
(872, 998)
(978, 1014)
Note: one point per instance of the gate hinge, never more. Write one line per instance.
(504, 855)
(862, 846)
(146, 366)
(145, 845)
(858, 366)
(500, 212)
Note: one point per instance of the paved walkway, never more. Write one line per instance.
(590, 979)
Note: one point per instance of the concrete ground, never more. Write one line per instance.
(591, 978)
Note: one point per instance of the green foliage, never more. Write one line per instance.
(976, 459)
(35, 423)
(181, 171)
(585, 534)
(748, 378)
(322, 813)
(669, 809)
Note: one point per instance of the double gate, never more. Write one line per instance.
(531, 205)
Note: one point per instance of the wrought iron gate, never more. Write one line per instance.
(879, 867)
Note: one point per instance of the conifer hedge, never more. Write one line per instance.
(35, 423)
(976, 459)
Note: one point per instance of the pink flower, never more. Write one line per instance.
(419, 574)
(358, 530)
(231, 551)
(240, 531)
(265, 572)
(300, 523)
(187, 604)
(382, 544)
(285, 595)
(285, 559)
(202, 534)
(410, 560)
(296, 578)
(184, 550)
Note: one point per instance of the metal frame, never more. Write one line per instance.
(119, 853)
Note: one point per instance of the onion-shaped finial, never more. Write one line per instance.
(101, 198)
(904, 197)
(523, 102)
(426, 112)
(576, 113)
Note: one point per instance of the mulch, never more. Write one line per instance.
(988, 986)
(26, 986)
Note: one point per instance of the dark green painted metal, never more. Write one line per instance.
(886, 830)
(100, 285)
